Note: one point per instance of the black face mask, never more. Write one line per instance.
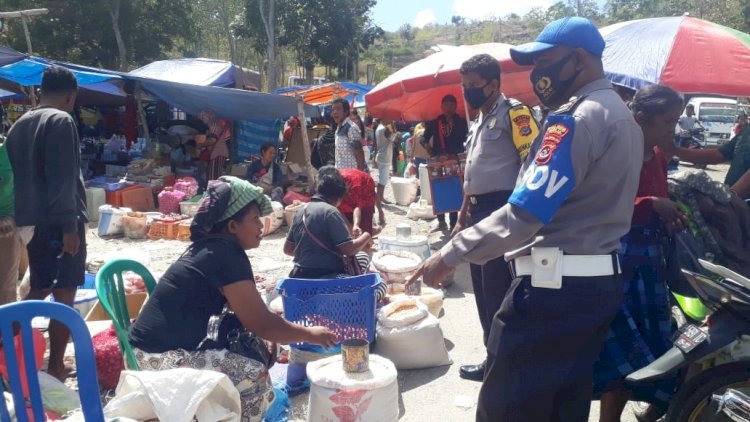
(475, 96)
(547, 84)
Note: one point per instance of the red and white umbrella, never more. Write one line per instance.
(414, 92)
(689, 54)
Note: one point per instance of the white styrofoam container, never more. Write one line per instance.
(110, 220)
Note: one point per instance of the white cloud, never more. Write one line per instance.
(424, 17)
(484, 9)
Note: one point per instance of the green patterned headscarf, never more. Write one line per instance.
(243, 193)
(222, 200)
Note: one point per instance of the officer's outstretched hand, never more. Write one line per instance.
(433, 272)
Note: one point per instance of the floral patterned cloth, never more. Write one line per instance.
(348, 137)
(249, 376)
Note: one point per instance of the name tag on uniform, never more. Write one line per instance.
(550, 178)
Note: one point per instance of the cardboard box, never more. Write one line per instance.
(239, 170)
(114, 197)
(140, 199)
(135, 303)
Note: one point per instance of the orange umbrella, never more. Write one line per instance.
(321, 94)
(414, 92)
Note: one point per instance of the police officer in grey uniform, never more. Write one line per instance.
(560, 231)
(492, 166)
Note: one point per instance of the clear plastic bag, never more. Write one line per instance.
(56, 396)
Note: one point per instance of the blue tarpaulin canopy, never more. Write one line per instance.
(188, 84)
(204, 72)
(227, 103)
(28, 72)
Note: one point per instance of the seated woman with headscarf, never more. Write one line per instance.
(214, 272)
(320, 235)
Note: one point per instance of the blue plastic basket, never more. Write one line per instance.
(345, 305)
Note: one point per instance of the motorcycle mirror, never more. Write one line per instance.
(725, 273)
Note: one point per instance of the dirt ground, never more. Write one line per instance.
(424, 395)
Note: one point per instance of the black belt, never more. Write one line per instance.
(494, 199)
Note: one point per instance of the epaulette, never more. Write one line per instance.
(570, 106)
(514, 103)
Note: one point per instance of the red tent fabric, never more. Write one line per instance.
(414, 92)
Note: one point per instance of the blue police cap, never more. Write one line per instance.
(573, 31)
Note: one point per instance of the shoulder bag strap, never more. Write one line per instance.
(314, 238)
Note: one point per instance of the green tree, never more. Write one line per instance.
(585, 8)
(85, 31)
(407, 33)
(559, 10)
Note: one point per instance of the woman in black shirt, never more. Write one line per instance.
(212, 273)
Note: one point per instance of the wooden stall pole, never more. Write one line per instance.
(141, 113)
(306, 144)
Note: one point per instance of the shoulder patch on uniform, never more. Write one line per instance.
(523, 122)
(552, 138)
(571, 105)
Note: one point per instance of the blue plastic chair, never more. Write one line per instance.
(88, 385)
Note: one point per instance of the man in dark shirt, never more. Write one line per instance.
(44, 151)
(443, 136)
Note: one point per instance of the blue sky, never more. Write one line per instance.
(391, 14)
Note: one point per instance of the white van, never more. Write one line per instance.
(717, 115)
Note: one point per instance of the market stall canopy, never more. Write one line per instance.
(96, 86)
(200, 71)
(414, 92)
(8, 95)
(28, 72)
(227, 103)
(9, 55)
(688, 54)
(323, 94)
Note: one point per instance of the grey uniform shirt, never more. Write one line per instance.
(492, 162)
(606, 157)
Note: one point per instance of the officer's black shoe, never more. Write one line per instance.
(473, 372)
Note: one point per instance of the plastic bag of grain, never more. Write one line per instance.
(410, 336)
(291, 210)
(274, 220)
(432, 298)
(370, 396)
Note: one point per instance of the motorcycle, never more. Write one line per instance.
(710, 358)
(693, 139)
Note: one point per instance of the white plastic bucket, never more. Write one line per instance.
(424, 183)
(415, 244)
(404, 190)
